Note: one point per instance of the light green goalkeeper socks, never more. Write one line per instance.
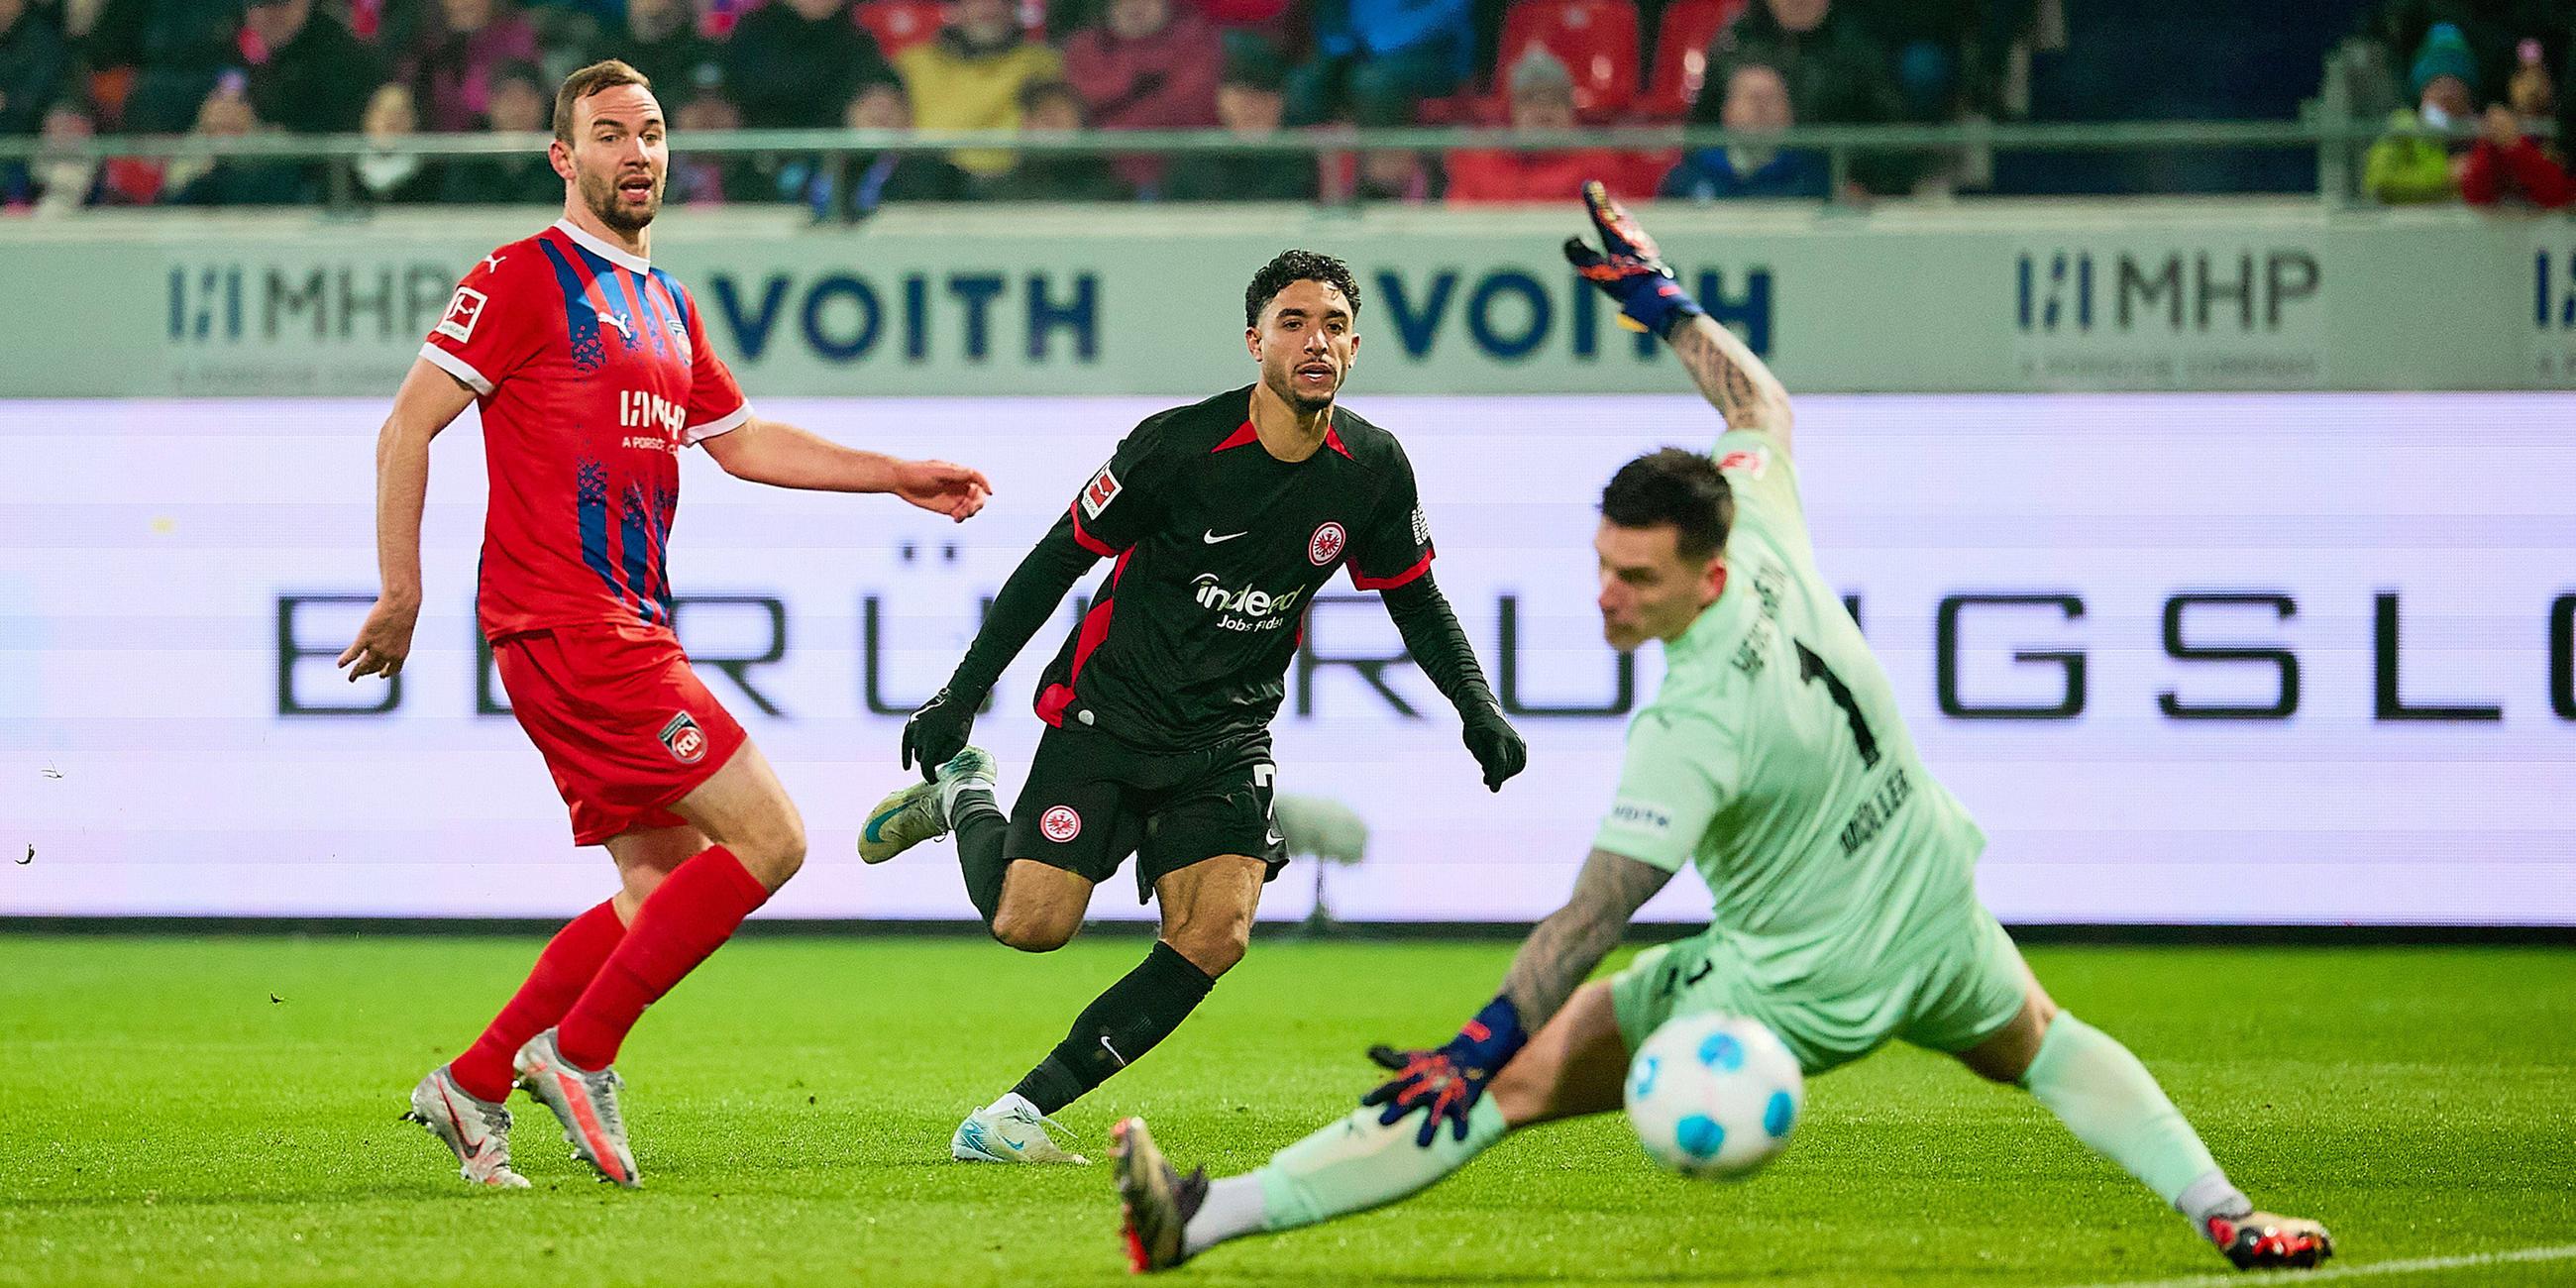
(1350, 1166)
(2109, 1100)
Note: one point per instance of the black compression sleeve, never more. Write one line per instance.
(1438, 645)
(1026, 601)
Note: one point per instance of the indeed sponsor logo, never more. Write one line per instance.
(1246, 609)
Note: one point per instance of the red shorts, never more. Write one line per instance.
(623, 723)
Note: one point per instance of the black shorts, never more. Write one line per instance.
(1091, 800)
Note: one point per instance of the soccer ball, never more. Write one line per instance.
(1714, 1095)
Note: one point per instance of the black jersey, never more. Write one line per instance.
(1219, 548)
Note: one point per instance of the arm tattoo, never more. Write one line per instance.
(1716, 366)
(1565, 947)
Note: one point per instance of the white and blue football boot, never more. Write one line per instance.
(1010, 1130)
(916, 813)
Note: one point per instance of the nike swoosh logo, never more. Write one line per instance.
(1212, 538)
(1104, 1038)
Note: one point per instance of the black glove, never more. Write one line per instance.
(938, 731)
(1497, 747)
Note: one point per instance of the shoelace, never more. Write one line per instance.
(603, 1087)
(496, 1134)
(1051, 1127)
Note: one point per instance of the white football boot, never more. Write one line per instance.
(477, 1131)
(911, 815)
(585, 1101)
(1010, 1130)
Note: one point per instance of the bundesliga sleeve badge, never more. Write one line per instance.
(1098, 493)
(463, 312)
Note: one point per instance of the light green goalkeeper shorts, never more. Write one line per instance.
(1949, 1000)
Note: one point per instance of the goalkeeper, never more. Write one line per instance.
(1772, 759)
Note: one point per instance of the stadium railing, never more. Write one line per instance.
(2338, 141)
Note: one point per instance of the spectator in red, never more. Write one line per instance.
(1542, 98)
(796, 65)
(307, 73)
(2511, 161)
(1255, 14)
(1146, 67)
(451, 66)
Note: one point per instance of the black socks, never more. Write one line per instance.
(1119, 1026)
(981, 831)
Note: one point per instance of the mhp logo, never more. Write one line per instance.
(2080, 291)
(2553, 292)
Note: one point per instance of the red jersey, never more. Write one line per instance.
(593, 371)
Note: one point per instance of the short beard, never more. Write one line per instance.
(602, 201)
(1286, 389)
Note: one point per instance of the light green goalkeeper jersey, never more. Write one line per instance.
(1773, 758)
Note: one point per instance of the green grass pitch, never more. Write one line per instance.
(217, 1111)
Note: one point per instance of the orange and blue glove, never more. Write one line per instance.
(1448, 1081)
(1629, 268)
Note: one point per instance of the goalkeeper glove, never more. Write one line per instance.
(1448, 1081)
(1628, 267)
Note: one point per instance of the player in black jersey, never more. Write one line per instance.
(1224, 518)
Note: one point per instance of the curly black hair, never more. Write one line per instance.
(1298, 266)
(1675, 486)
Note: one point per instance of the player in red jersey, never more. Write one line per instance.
(593, 371)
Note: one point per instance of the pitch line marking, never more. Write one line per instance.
(2559, 1252)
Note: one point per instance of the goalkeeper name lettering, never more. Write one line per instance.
(1871, 815)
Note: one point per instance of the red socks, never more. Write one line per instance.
(687, 917)
(563, 970)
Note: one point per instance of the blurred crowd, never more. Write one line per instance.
(1252, 68)
(2487, 66)
(1258, 70)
